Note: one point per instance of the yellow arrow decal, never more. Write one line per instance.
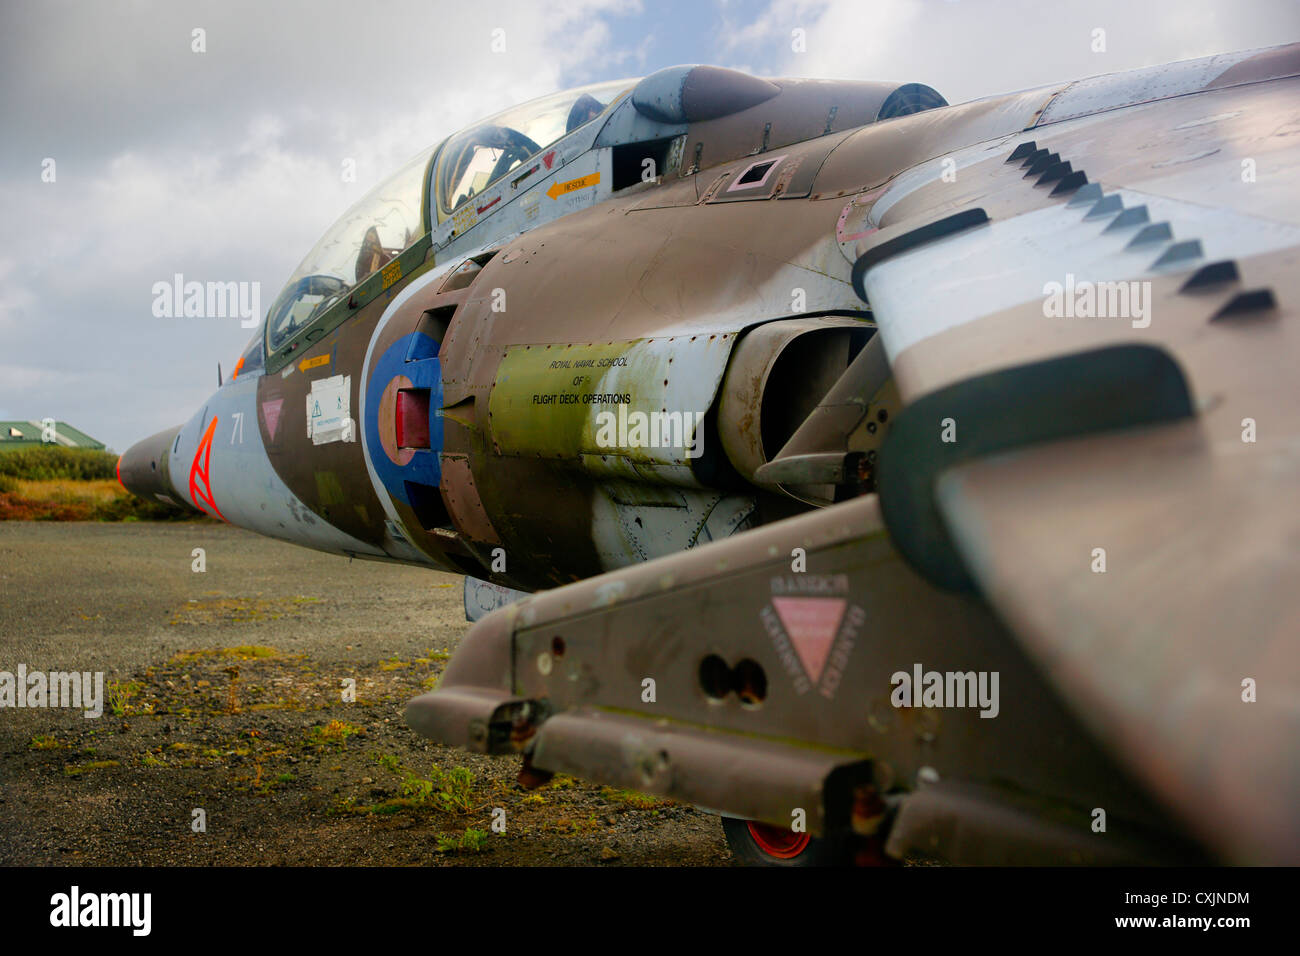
(573, 185)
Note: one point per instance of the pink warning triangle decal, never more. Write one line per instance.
(271, 415)
(811, 623)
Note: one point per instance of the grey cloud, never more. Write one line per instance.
(222, 165)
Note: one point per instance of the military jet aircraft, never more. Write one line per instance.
(895, 479)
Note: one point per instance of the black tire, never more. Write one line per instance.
(763, 845)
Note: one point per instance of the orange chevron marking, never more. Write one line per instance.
(200, 488)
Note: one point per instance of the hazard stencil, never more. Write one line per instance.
(271, 415)
(811, 624)
(813, 637)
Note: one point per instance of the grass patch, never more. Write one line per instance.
(451, 791)
(76, 770)
(215, 609)
(44, 742)
(54, 483)
(119, 696)
(333, 735)
(67, 499)
(633, 798)
(448, 791)
(68, 491)
(389, 762)
(350, 806)
(471, 841)
(245, 652)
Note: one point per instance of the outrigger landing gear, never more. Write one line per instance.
(762, 844)
(765, 844)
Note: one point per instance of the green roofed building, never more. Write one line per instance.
(33, 435)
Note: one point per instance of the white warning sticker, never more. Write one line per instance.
(329, 409)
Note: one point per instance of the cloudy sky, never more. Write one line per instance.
(227, 164)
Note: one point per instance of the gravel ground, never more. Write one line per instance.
(223, 696)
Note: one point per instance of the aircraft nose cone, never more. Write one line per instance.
(144, 469)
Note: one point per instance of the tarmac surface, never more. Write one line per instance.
(223, 708)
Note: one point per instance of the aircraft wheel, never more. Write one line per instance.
(761, 844)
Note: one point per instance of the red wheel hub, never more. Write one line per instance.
(779, 842)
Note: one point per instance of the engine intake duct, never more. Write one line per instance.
(777, 375)
(832, 455)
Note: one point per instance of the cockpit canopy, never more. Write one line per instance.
(477, 157)
(377, 227)
(393, 215)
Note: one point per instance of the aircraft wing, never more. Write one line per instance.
(1094, 326)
